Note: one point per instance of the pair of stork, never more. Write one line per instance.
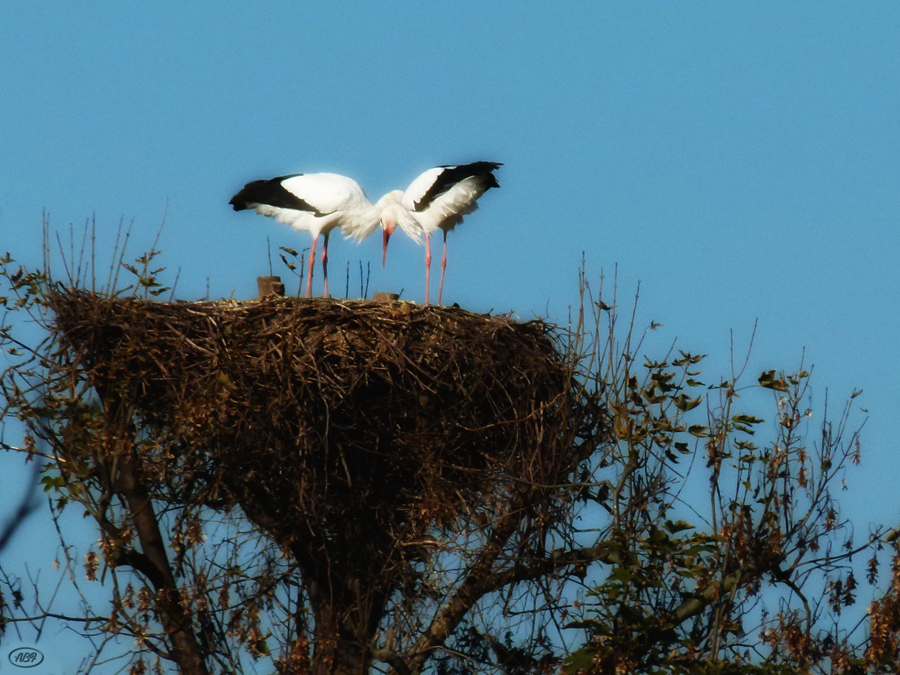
(320, 202)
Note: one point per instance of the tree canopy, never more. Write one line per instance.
(331, 486)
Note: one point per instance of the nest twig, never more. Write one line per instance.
(336, 421)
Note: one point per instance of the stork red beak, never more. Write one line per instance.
(386, 235)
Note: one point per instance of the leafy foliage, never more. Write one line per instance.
(647, 520)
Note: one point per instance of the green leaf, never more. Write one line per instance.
(580, 660)
(52, 483)
(621, 574)
(685, 404)
(769, 381)
(747, 419)
(588, 624)
(688, 359)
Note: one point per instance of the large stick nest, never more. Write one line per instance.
(345, 421)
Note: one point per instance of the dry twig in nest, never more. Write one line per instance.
(335, 423)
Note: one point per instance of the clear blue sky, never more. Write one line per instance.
(742, 160)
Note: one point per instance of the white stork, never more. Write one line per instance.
(316, 203)
(437, 199)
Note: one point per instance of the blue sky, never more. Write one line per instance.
(740, 160)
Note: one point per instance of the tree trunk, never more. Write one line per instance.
(347, 621)
(339, 649)
(175, 621)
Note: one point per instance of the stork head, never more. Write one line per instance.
(387, 229)
(391, 214)
(394, 214)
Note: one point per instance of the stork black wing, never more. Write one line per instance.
(453, 175)
(273, 193)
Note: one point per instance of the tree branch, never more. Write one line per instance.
(154, 563)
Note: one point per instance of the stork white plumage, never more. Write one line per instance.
(316, 203)
(437, 199)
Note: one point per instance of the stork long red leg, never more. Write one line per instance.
(312, 260)
(325, 261)
(427, 265)
(443, 269)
